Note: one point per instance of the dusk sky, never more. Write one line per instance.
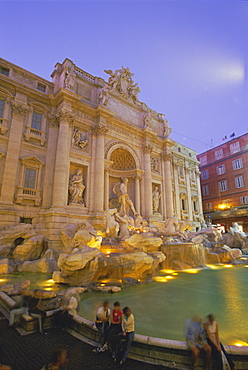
(189, 57)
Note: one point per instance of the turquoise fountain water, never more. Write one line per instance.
(161, 307)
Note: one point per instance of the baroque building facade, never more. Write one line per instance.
(65, 144)
(224, 181)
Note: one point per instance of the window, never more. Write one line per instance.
(183, 204)
(194, 206)
(239, 182)
(1, 108)
(222, 185)
(4, 71)
(190, 155)
(203, 160)
(237, 164)
(192, 174)
(205, 190)
(234, 148)
(179, 150)
(180, 170)
(209, 206)
(244, 200)
(30, 176)
(41, 87)
(218, 154)
(36, 121)
(204, 174)
(220, 169)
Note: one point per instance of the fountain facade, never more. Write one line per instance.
(68, 150)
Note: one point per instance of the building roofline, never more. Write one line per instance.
(220, 145)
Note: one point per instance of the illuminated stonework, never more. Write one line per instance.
(65, 144)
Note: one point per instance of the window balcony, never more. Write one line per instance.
(35, 134)
(3, 126)
(27, 194)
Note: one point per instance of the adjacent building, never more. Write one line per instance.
(65, 144)
(224, 182)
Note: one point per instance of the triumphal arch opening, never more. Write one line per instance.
(78, 146)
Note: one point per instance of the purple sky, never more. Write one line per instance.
(189, 57)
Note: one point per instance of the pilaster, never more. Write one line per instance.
(99, 130)
(61, 172)
(166, 165)
(19, 113)
(147, 149)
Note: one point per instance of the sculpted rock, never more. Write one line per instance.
(15, 288)
(4, 266)
(235, 240)
(236, 253)
(44, 294)
(79, 236)
(29, 250)
(43, 265)
(144, 242)
(77, 260)
(11, 236)
(219, 255)
(106, 289)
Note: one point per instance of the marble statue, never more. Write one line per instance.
(123, 223)
(120, 189)
(237, 230)
(120, 81)
(134, 90)
(69, 77)
(104, 96)
(155, 199)
(76, 188)
(112, 226)
(167, 129)
(113, 79)
(148, 118)
(79, 139)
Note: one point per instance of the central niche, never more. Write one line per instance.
(122, 160)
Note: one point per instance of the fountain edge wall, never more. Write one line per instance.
(171, 353)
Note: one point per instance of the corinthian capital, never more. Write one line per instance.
(166, 156)
(65, 116)
(147, 148)
(19, 109)
(53, 119)
(99, 129)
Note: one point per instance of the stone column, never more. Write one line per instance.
(137, 193)
(99, 130)
(106, 191)
(166, 164)
(92, 172)
(190, 211)
(147, 149)
(177, 200)
(61, 171)
(198, 183)
(50, 160)
(12, 158)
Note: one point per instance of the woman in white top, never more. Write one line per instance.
(127, 332)
(223, 361)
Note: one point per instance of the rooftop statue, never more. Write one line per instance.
(121, 82)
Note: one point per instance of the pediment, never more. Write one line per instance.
(32, 159)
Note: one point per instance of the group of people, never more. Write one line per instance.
(116, 331)
(32, 305)
(116, 328)
(204, 336)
